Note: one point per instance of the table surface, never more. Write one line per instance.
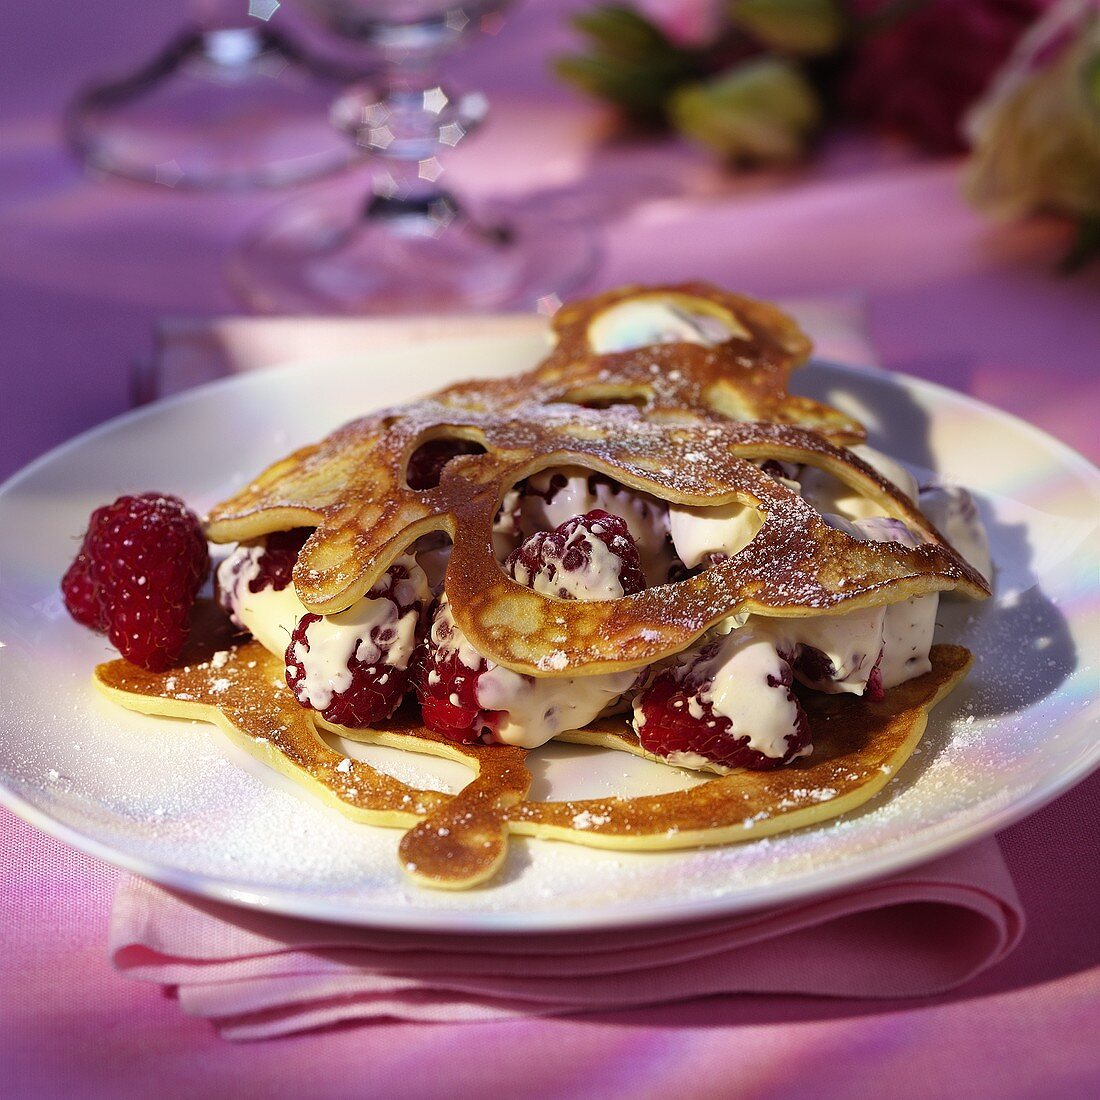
(87, 267)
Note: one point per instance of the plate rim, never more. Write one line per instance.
(293, 903)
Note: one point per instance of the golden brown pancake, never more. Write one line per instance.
(457, 841)
(688, 424)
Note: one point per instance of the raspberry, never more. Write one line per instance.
(447, 681)
(139, 569)
(678, 712)
(354, 667)
(569, 562)
(81, 594)
(587, 557)
(276, 565)
(549, 498)
(427, 461)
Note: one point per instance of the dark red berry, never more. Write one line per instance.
(674, 715)
(142, 563)
(380, 639)
(564, 562)
(447, 677)
(276, 564)
(427, 461)
(81, 594)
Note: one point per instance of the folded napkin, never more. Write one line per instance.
(257, 975)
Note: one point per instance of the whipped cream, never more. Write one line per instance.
(269, 616)
(851, 644)
(643, 322)
(896, 636)
(532, 711)
(698, 532)
(828, 494)
(953, 511)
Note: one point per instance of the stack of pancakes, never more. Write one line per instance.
(687, 422)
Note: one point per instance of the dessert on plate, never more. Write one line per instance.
(646, 543)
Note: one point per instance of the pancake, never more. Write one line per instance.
(458, 841)
(690, 422)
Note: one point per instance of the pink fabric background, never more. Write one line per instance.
(86, 268)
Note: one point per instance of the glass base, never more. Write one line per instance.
(222, 109)
(324, 254)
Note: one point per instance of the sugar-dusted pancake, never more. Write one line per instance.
(457, 841)
(352, 489)
(742, 378)
(688, 415)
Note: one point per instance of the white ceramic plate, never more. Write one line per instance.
(175, 802)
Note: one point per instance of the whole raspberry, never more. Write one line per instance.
(677, 712)
(589, 557)
(81, 594)
(354, 667)
(139, 569)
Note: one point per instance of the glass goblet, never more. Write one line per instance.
(406, 243)
(229, 104)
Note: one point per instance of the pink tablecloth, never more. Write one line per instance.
(85, 270)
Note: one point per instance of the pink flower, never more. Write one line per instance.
(688, 23)
(920, 74)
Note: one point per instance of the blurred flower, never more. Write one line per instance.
(917, 72)
(630, 62)
(807, 27)
(761, 111)
(684, 22)
(1036, 135)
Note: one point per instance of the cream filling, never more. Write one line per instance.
(698, 532)
(271, 618)
(828, 494)
(953, 511)
(535, 710)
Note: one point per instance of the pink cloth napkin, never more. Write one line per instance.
(258, 976)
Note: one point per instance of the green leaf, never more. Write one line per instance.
(639, 91)
(807, 27)
(630, 63)
(620, 33)
(761, 111)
